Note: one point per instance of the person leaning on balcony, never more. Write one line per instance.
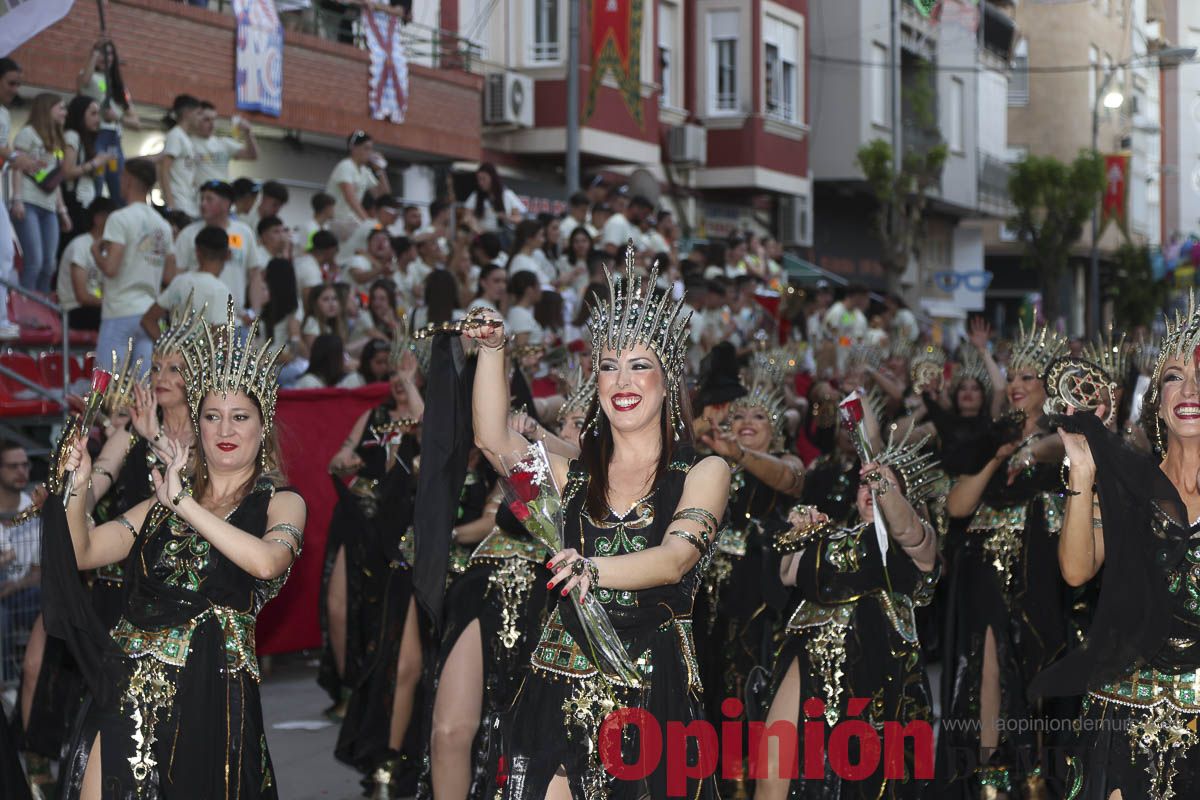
(362, 170)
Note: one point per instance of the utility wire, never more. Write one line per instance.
(1148, 61)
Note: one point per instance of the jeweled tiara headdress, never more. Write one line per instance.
(221, 362)
(184, 324)
(1035, 348)
(971, 367)
(636, 314)
(1182, 337)
(864, 355)
(125, 376)
(914, 464)
(762, 391)
(1111, 354)
(926, 363)
(787, 360)
(403, 342)
(902, 348)
(581, 397)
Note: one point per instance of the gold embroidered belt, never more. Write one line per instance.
(500, 545)
(172, 645)
(1148, 687)
(897, 608)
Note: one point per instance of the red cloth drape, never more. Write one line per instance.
(312, 424)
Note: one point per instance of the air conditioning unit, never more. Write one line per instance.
(688, 144)
(508, 100)
(795, 225)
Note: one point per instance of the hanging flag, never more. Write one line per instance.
(388, 87)
(925, 6)
(616, 47)
(21, 21)
(259, 65)
(1114, 206)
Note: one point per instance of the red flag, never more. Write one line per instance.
(1114, 204)
(616, 37)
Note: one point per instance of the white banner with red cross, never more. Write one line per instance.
(388, 98)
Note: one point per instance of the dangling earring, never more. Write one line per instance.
(1158, 436)
(262, 454)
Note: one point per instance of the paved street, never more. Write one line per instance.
(304, 762)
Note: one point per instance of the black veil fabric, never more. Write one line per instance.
(446, 439)
(1133, 613)
(67, 609)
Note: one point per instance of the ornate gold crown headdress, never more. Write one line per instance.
(581, 396)
(971, 367)
(403, 342)
(863, 355)
(914, 464)
(634, 313)
(125, 376)
(786, 360)
(1034, 349)
(762, 391)
(901, 348)
(221, 362)
(1111, 354)
(927, 364)
(184, 324)
(1181, 338)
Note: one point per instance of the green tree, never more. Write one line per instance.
(903, 194)
(1052, 201)
(1136, 296)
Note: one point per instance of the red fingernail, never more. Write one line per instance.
(564, 592)
(549, 584)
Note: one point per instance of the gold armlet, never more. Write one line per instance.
(795, 539)
(692, 539)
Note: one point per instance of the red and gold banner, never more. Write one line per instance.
(1114, 206)
(616, 47)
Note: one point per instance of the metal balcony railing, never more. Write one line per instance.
(993, 180)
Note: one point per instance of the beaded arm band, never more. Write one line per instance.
(121, 520)
(707, 522)
(290, 530)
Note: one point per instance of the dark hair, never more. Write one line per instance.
(409, 207)
(213, 243)
(578, 199)
(716, 254)
(179, 219)
(401, 244)
(388, 286)
(78, 106)
(856, 289)
(143, 171)
(495, 195)
(548, 311)
(321, 201)
(485, 272)
(641, 201)
(381, 231)
(281, 285)
(101, 205)
(206, 105)
(371, 349)
(596, 261)
(489, 243)
(387, 201)
(549, 245)
(526, 230)
(521, 281)
(595, 452)
(592, 294)
(7, 65)
(368, 201)
(323, 240)
(8, 444)
(114, 89)
(327, 359)
(441, 295)
(266, 223)
(570, 253)
(437, 207)
(338, 326)
(181, 104)
(243, 187)
(276, 191)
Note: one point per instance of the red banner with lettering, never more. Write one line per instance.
(1114, 207)
(616, 48)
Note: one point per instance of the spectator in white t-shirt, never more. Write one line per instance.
(201, 287)
(524, 289)
(378, 261)
(318, 265)
(273, 196)
(38, 211)
(845, 319)
(323, 206)
(361, 171)
(492, 288)
(617, 230)
(213, 153)
(491, 207)
(245, 197)
(177, 163)
(245, 264)
(21, 164)
(529, 239)
(383, 216)
(20, 557)
(576, 216)
(132, 255)
(79, 279)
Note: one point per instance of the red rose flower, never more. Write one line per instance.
(523, 486)
(100, 380)
(519, 510)
(851, 411)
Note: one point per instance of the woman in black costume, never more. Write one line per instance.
(737, 612)
(1008, 605)
(643, 562)
(853, 634)
(176, 709)
(1140, 663)
(374, 640)
(494, 611)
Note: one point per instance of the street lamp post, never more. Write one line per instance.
(1167, 57)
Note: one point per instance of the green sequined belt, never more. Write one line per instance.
(501, 545)
(172, 645)
(897, 608)
(1147, 688)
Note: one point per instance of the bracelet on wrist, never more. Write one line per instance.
(178, 498)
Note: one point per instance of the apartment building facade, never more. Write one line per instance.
(1180, 124)
(719, 120)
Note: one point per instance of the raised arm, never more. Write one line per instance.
(692, 532)
(906, 527)
(967, 492)
(1081, 542)
(979, 336)
(105, 544)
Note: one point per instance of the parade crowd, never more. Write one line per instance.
(767, 503)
